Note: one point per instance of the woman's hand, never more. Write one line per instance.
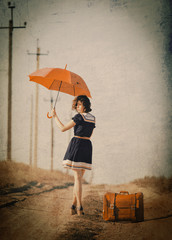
(60, 124)
(53, 112)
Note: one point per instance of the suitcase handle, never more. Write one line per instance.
(124, 192)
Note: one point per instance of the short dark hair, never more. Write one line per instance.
(85, 101)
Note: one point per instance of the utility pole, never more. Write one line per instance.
(36, 106)
(31, 130)
(9, 130)
(52, 136)
(52, 132)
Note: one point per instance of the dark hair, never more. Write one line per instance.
(85, 101)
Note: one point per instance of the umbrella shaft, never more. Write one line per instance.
(56, 99)
(57, 95)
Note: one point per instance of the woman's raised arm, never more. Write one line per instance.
(61, 126)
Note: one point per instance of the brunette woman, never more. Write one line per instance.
(78, 156)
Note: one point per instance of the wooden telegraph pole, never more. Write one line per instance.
(36, 107)
(52, 132)
(31, 128)
(9, 130)
(52, 137)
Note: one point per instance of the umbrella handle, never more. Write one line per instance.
(48, 115)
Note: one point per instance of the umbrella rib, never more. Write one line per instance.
(74, 89)
(51, 84)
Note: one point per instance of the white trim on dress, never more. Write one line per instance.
(76, 165)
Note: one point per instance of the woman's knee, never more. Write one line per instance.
(78, 174)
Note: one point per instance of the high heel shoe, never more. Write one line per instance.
(80, 211)
(73, 210)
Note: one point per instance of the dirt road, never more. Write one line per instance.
(40, 210)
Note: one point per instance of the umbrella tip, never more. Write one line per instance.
(65, 66)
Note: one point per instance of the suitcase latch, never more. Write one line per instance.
(111, 206)
(133, 207)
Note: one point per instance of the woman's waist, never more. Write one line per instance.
(82, 137)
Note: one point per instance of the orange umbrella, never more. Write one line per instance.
(60, 80)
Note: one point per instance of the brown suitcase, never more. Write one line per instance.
(123, 206)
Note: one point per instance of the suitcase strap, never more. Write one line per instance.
(115, 209)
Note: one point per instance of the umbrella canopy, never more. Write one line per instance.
(61, 80)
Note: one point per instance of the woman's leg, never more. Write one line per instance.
(74, 195)
(77, 190)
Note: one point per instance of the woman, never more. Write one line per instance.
(78, 156)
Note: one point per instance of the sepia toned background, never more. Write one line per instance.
(122, 49)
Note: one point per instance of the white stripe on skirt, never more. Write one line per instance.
(76, 165)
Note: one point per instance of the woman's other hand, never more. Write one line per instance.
(53, 112)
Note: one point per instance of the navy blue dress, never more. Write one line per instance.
(79, 151)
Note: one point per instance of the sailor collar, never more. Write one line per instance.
(88, 117)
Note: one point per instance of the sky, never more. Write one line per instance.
(121, 50)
